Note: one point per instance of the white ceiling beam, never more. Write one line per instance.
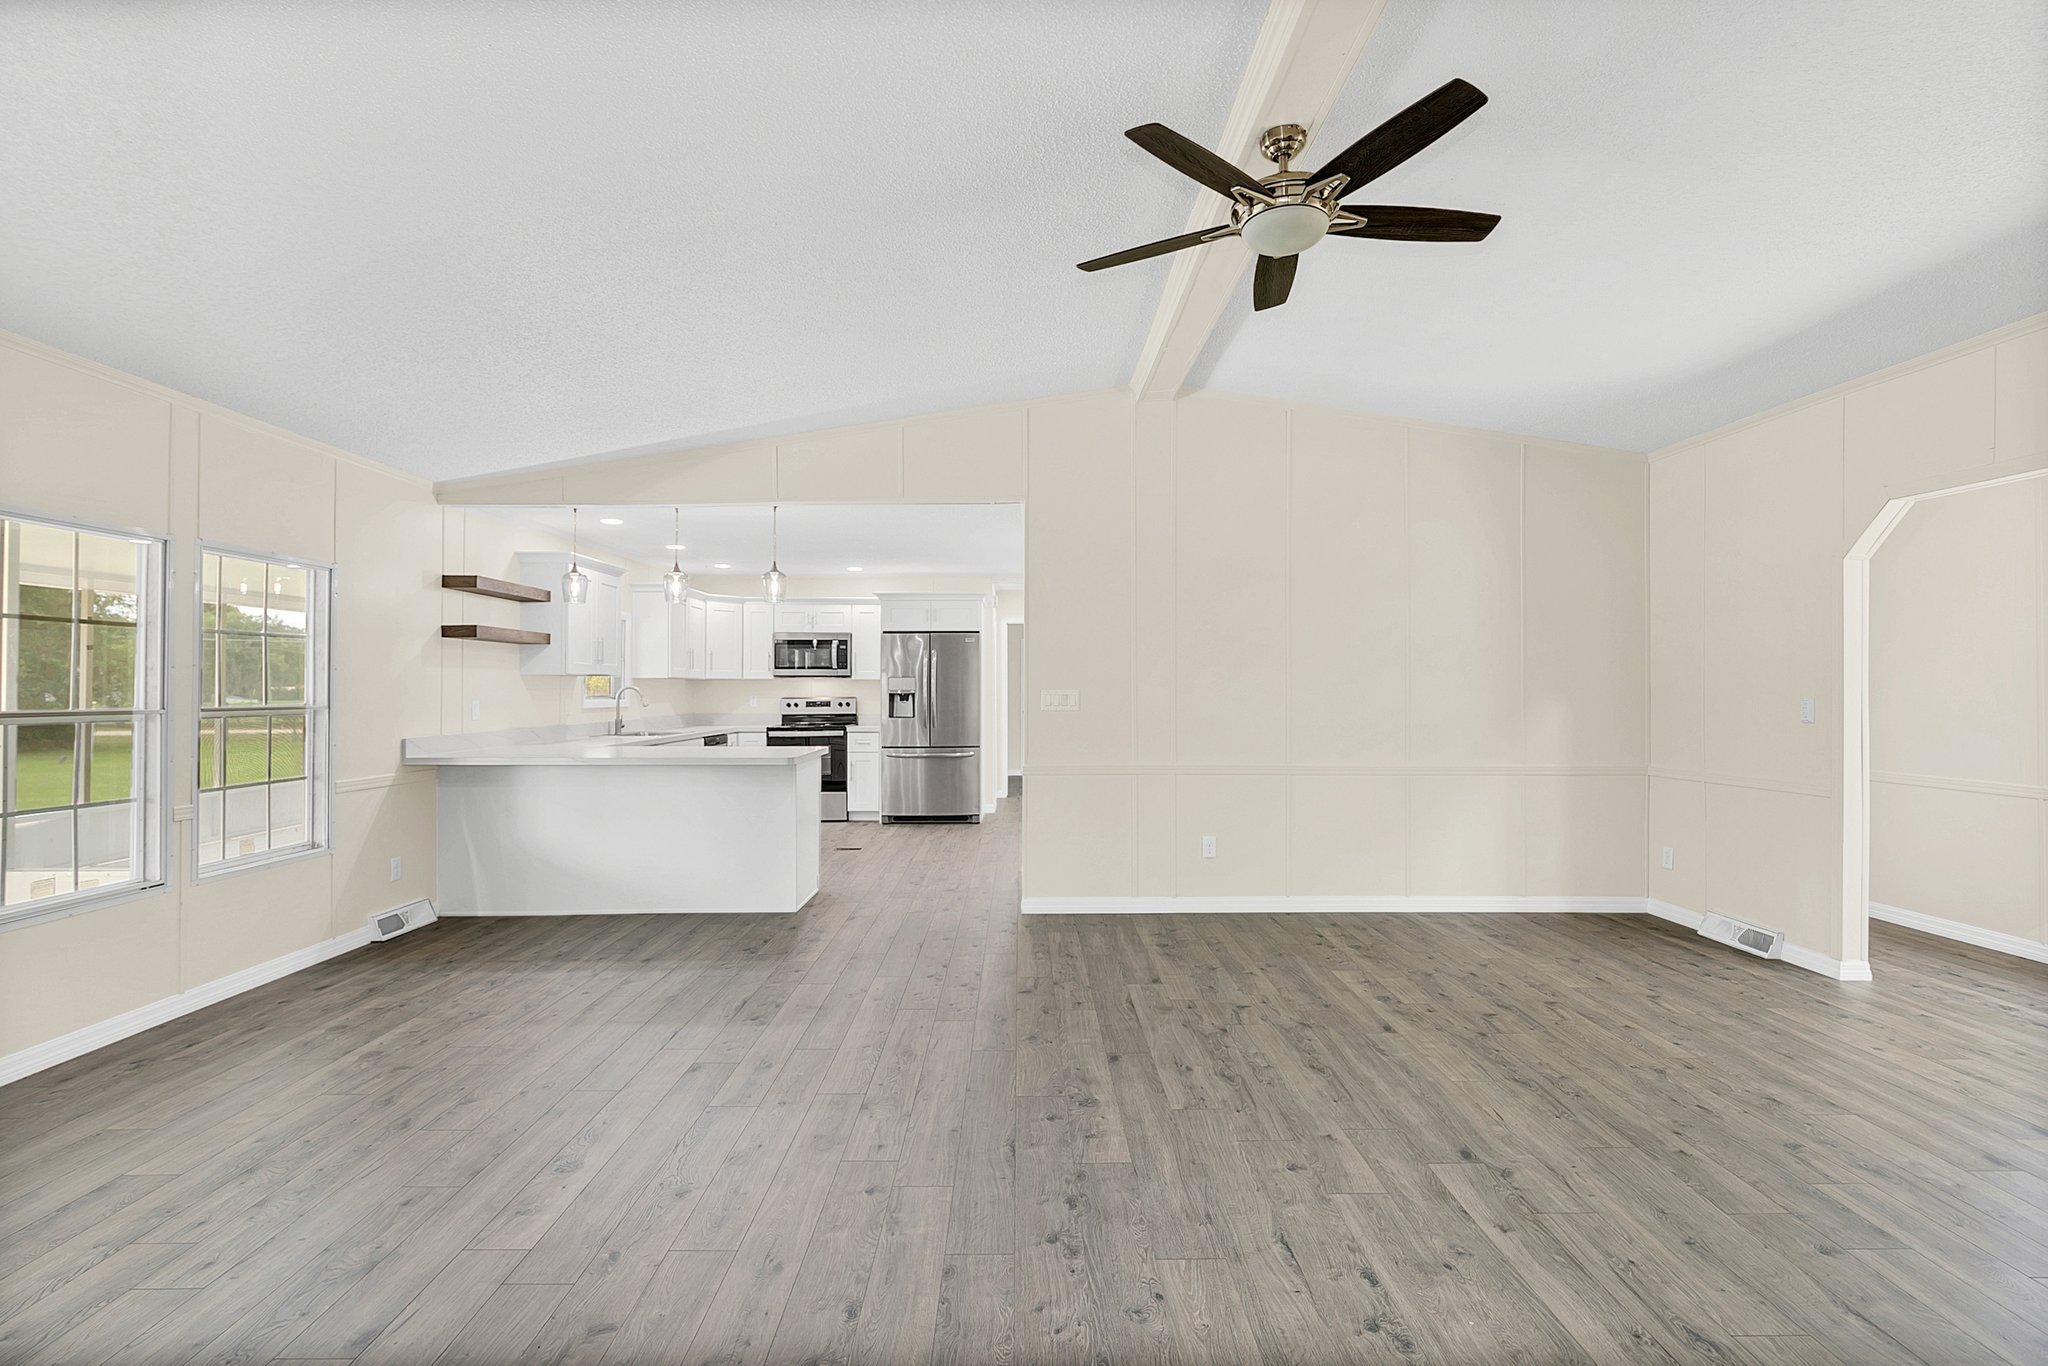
(1304, 54)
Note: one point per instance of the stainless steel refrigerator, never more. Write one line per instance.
(931, 724)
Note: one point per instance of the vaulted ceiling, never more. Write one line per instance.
(465, 238)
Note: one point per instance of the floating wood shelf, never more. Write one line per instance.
(503, 634)
(495, 588)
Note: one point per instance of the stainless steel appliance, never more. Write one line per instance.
(931, 725)
(821, 721)
(829, 655)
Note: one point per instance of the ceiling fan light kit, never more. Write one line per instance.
(1281, 215)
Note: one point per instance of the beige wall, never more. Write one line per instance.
(1223, 579)
(81, 442)
(1013, 719)
(1373, 658)
(1959, 712)
(1748, 528)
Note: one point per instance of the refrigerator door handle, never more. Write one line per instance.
(928, 754)
(931, 691)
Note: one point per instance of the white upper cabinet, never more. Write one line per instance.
(693, 660)
(724, 640)
(951, 615)
(867, 641)
(587, 637)
(648, 620)
(757, 640)
(932, 612)
(906, 616)
(820, 618)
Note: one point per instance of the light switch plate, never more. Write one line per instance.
(1059, 699)
(476, 711)
(1806, 711)
(1670, 859)
(1208, 846)
(397, 868)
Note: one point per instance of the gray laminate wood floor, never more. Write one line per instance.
(908, 1126)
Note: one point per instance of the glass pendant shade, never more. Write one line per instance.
(773, 582)
(575, 583)
(675, 583)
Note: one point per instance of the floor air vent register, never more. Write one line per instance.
(391, 924)
(1749, 938)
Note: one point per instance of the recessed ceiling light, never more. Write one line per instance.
(675, 547)
(854, 569)
(612, 521)
(721, 566)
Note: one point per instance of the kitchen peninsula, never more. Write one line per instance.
(548, 822)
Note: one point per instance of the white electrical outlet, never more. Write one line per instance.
(476, 711)
(1059, 699)
(397, 868)
(1670, 859)
(1208, 846)
(1806, 711)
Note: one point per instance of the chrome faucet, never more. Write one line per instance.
(619, 707)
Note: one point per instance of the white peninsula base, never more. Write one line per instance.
(593, 838)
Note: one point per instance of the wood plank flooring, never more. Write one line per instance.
(910, 1126)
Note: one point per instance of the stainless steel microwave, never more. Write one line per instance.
(813, 655)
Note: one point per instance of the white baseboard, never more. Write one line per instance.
(444, 913)
(1856, 970)
(1677, 915)
(79, 1042)
(1417, 905)
(1841, 969)
(1995, 940)
(1332, 905)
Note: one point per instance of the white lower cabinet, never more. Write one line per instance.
(863, 784)
(749, 739)
(863, 774)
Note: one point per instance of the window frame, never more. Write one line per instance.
(151, 785)
(319, 779)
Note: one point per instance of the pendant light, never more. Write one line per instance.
(575, 583)
(675, 582)
(773, 581)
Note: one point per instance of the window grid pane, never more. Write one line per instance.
(77, 635)
(258, 714)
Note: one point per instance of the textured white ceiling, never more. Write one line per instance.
(1710, 207)
(463, 237)
(881, 539)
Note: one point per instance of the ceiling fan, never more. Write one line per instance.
(1284, 214)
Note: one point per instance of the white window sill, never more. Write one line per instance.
(63, 907)
(214, 872)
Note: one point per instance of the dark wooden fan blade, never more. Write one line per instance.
(1159, 248)
(1401, 223)
(1405, 134)
(1191, 158)
(1271, 281)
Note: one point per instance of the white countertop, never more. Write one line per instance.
(514, 748)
